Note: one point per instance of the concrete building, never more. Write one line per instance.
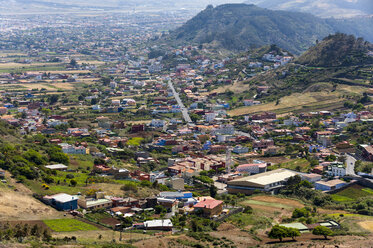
(330, 185)
(312, 177)
(252, 168)
(62, 201)
(164, 225)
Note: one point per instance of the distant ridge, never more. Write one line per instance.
(320, 8)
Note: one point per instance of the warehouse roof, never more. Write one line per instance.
(266, 178)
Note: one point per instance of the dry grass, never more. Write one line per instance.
(368, 225)
(12, 65)
(299, 101)
(20, 205)
(67, 72)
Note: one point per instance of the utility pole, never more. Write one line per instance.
(228, 159)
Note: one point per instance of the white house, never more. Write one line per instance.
(157, 123)
(240, 149)
(209, 117)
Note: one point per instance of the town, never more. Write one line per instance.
(106, 134)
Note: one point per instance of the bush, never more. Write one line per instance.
(300, 212)
(73, 182)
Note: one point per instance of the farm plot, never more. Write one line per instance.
(352, 193)
(68, 225)
(272, 202)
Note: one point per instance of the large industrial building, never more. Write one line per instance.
(270, 181)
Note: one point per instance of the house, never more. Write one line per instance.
(240, 149)
(175, 183)
(120, 173)
(263, 143)
(271, 181)
(330, 185)
(69, 149)
(175, 195)
(137, 128)
(337, 170)
(157, 123)
(95, 203)
(272, 150)
(252, 168)
(250, 102)
(169, 204)
(62, 201)
(209, 207)
(125, 202)
(312, 177)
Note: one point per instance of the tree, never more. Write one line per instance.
(213, 191)
(322, 230)
(73, 62)
(53, 99)
(160, 209)
(292, 232)
(278, 232)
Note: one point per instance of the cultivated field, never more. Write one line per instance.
(272, 203)
(352, 193)
(68, 225)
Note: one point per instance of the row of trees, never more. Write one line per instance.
(19, 232)
(281, 232)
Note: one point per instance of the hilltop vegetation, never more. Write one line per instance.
(338, 50)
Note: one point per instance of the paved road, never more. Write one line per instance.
(183, 109)
(350, 165)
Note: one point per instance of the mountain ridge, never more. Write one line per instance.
(320, 8)
(238, 27)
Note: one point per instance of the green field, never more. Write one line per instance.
(352, 193)
(269, 204)
(300, 164)
(68, 225)
(136, 141)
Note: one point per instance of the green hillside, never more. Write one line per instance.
(338, 50)
(240, 26)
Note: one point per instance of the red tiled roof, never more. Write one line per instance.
(208, 203)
